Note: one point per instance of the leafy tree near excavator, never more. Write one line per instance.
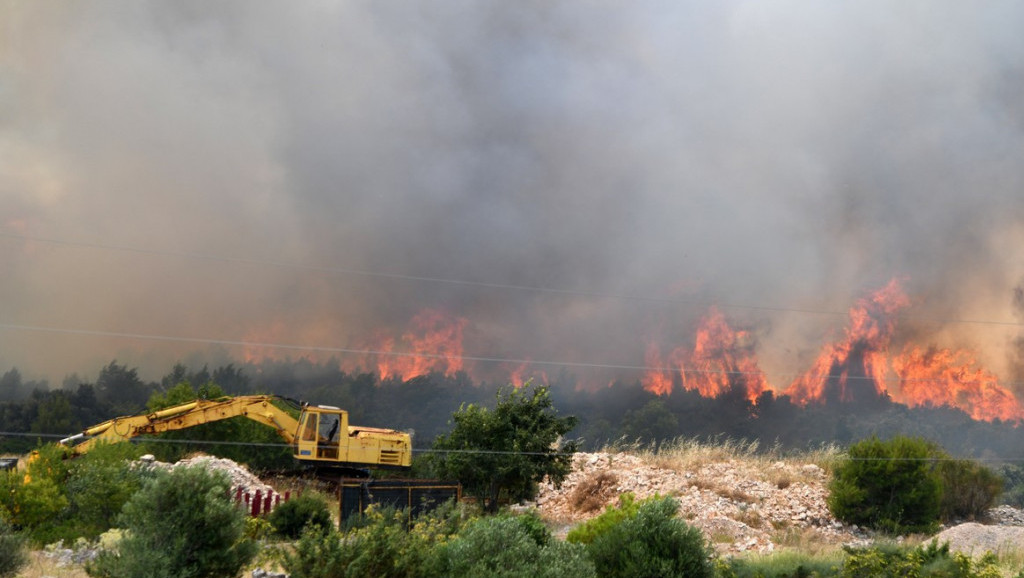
(504, 452)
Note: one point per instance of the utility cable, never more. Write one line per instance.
(474, 358)
(463, 282)
(282, 445)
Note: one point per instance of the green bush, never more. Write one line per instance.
(384, 545)
(928, 561)
(13, 555)
(653, 543)
(33, 500)
(99, 484)
(969, 489)
(888, 485)
(319, 555)
(508, 546)
(1013, 485)
(290, 518)
(612, 516)
(181, 524)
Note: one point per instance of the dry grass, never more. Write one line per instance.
(594, 492)
(690, 454)
(43, 566)
(804, 540)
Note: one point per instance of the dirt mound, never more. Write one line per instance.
(975, 539)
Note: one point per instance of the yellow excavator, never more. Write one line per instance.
(321, 436)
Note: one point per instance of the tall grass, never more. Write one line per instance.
(690, 453)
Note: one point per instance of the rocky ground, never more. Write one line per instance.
(743, 505)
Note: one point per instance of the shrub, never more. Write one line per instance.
(13, 556)
(33, 500)
(888, 485)
(99, 484)
(319, 555)
(592, 492)
(653, 543)
(509, 546)
(1013, 485)
(181, 524)
(384, 545)
(926, 561)
(291, 517)
(612, 516)
(969, 489)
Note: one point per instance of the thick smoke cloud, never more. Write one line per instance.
(781, 156)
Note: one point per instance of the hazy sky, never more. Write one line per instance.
(217, 170)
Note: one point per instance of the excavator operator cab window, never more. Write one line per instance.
(328, 446)
(309, 427)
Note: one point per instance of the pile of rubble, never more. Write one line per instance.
(241, 477)
(739, 506)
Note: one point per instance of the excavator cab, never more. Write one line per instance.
(320, 431)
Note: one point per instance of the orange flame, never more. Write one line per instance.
(433, 343)
(722, 359)
(523, 373)
(942, 377)
(859, 357)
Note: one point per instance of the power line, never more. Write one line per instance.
(462, 282)
(283, 445)
(474, 358)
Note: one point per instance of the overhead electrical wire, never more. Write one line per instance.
(461, 282)
(473, 358)
(438, 356)
(282, 445)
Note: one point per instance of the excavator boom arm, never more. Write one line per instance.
(258, 408)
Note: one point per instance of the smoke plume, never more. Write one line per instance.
(232, 171)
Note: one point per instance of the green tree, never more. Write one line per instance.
(508, 449)
(54, 414)
(652, 422)
(122, 388)
(182, 524)
(888, 485)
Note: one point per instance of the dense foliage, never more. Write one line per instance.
(586, 532)
(383, 545)
(299, 513)
(888, 485)
(506, 451)
(909, 485)
(181, 524)
(66, 500)
(654, 543)
(512, 547)
(13, 554)
(969, 489)
(926, 561)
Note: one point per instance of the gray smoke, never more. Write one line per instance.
(783, 156)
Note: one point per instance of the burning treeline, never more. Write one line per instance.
(859, 365)
(854, 367)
